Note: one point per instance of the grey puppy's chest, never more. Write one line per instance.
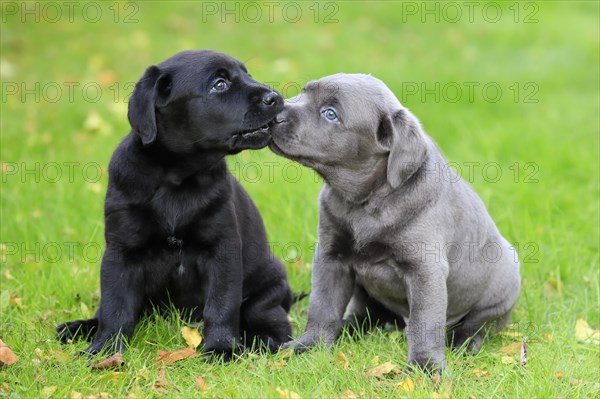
(366, 248)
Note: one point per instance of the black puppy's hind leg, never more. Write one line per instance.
(77, 329)
(265, 320)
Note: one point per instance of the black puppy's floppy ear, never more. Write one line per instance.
(150, 91)
(401, 134)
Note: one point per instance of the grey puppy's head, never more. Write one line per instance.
(353, 131)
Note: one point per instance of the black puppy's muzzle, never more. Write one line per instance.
(270, 99)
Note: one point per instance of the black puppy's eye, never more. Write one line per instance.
(220, 85)
(329, 114)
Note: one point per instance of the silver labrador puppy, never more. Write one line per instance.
(402, 238)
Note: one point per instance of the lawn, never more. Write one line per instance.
(509, 90)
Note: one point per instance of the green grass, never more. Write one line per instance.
(553, 215)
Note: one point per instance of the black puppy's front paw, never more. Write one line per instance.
(109, 346)
(222, 348)
(77, 329)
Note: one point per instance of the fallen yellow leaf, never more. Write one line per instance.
(407, 385)
(58, 355)
(192, 336)
(585, 333)
(511, 349)
(277, 364)
(480, 373)
(287, 394)
(48, 391)
(7, 275)
(508, 360)
(85, 312)
(382, 369)
(342, 360)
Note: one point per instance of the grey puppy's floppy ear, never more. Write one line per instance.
(401, 134)
(153, 88)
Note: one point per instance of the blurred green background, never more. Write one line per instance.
(509, 90)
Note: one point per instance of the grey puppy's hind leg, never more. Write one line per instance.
(364, 313)
(474, 326)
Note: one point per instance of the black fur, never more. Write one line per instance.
(179, 228)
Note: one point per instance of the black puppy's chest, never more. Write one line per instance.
(183, 210)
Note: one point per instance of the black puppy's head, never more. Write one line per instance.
(198, 100)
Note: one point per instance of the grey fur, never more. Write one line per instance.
(398, 242)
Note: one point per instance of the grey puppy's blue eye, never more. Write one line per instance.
(329, 114)
(220, 85)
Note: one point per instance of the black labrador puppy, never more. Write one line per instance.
(179, 228)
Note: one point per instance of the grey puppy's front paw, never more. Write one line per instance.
(310, 339)
(296, 345)
(429, 365)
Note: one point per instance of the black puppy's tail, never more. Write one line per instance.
(298, 296)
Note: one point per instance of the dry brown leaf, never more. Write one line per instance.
(342, 360)
(106, 78)
(382, 369)
(15, 300)
(349, 394)
(5, 389)
(480, 373)
(201, 384)
(407, 385)
(192, 336)
(523, 353)
(7, 356)
(287, 394)
(167, 358)
(101, 395)
(585, 333)
(114, 361)
(161, 379)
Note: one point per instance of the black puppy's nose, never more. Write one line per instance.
(270, 98)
